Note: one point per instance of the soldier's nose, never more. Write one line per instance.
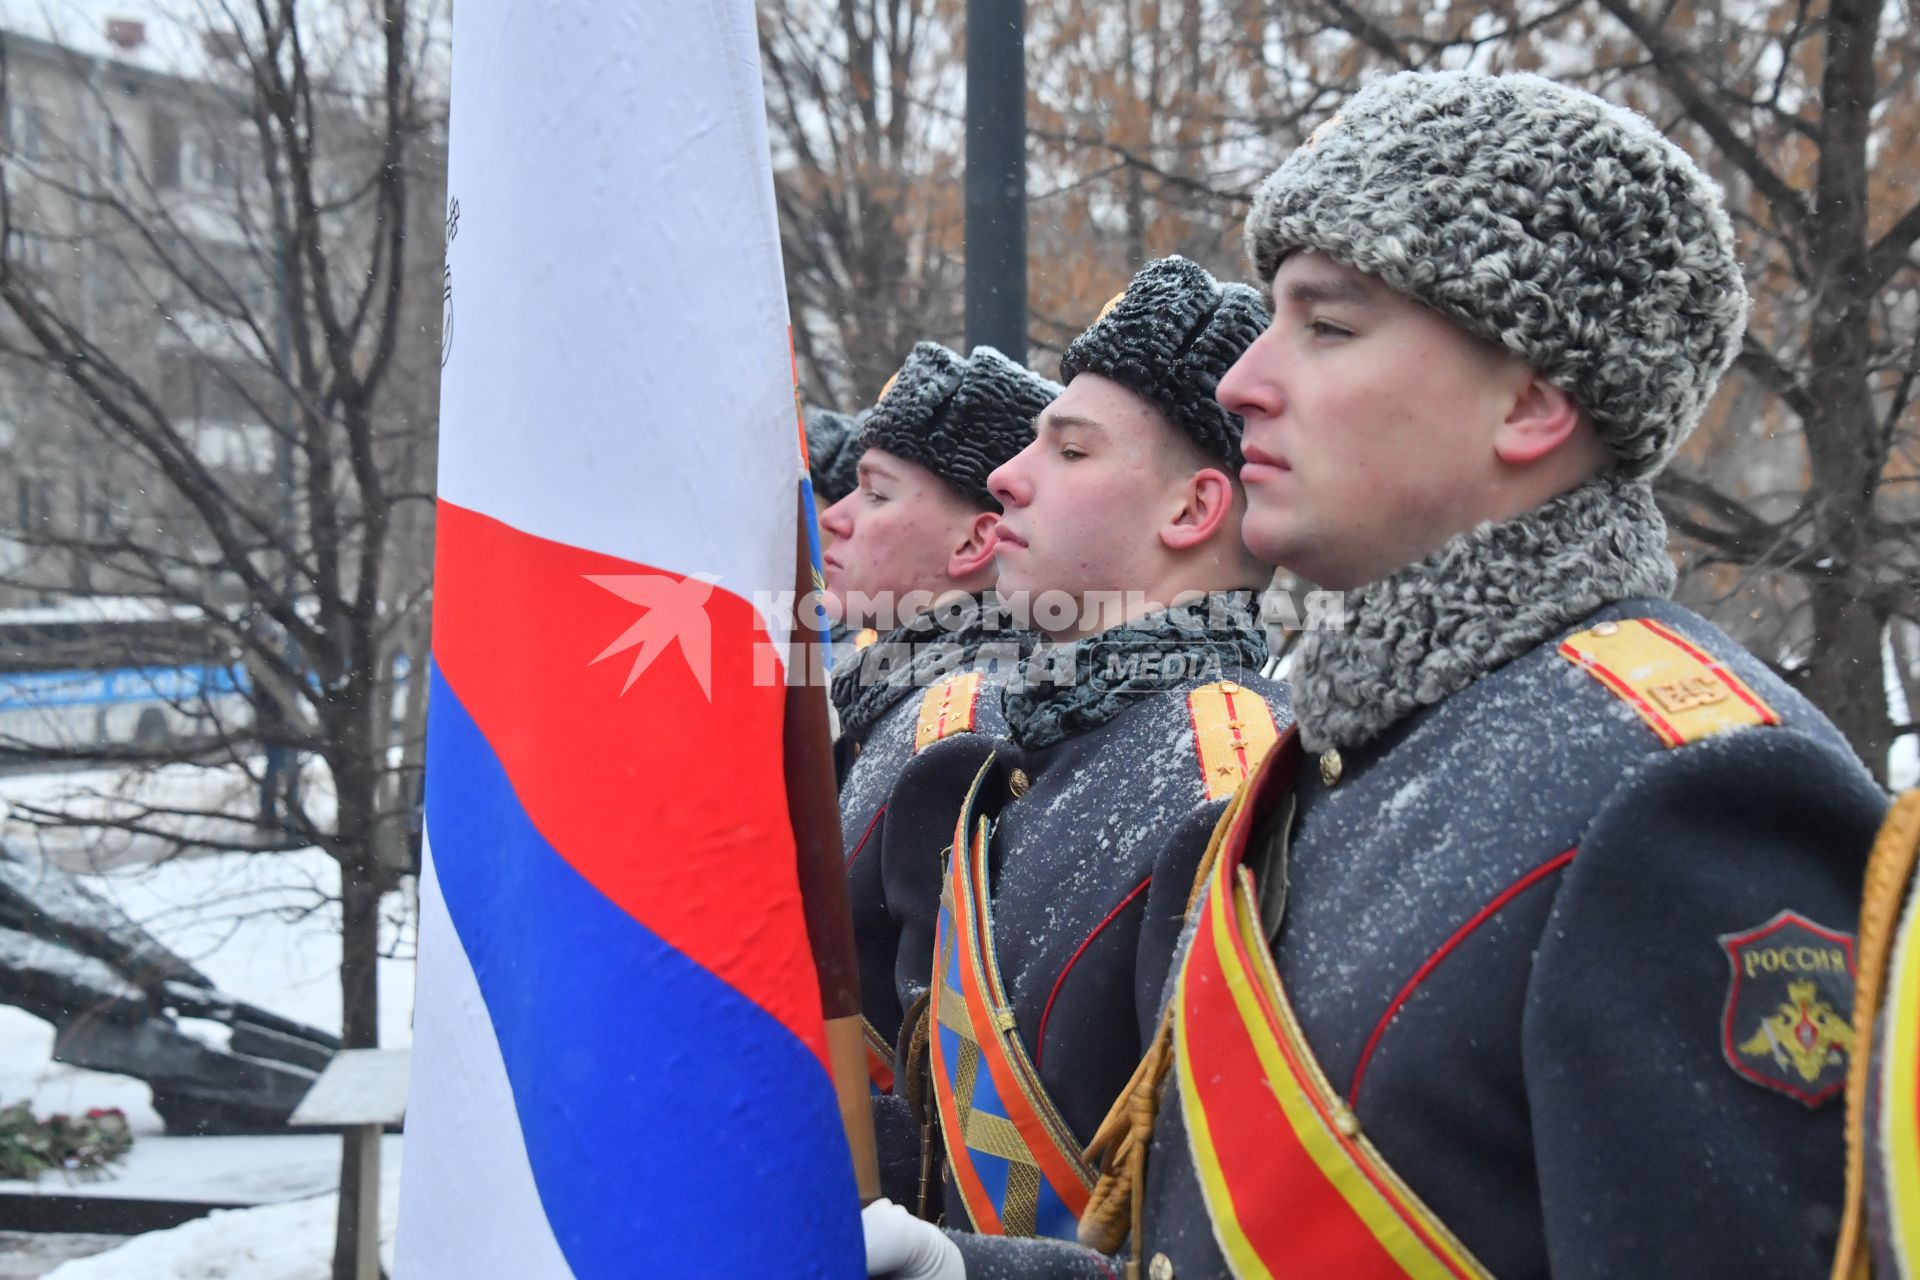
(1008, 483)
(836, 519)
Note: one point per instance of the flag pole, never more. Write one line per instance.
(813, 804)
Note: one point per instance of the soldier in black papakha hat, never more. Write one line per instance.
(833, 452)
(911, 550)
(1126, 734)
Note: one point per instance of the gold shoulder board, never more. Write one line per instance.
(946, 709)
(1233, 730)
(1682, 692)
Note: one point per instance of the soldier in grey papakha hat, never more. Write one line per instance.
(1526, 875)
(1563, 227)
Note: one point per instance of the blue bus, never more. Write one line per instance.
(116, 671)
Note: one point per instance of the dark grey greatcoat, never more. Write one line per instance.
(1561, 1067)
(1091, 864)
(877, 758)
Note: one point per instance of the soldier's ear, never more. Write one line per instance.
(975, 554)
(1543, 418)
(1206, 504)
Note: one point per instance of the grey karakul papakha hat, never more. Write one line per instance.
(833, 456)
(958, 418)
(1169, 338)
(1563, 227)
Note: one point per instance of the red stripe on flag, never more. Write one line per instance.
(670, 803)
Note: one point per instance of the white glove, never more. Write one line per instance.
(903, 1247)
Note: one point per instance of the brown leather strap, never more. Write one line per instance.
(913, 1083)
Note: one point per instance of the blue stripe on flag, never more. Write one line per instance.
(810, 512)
(673, 1127)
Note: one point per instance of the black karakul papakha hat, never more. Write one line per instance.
(833, 452)
(958, 418)
(1169, 339)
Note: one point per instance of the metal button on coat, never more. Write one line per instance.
(1331, 766)
(1160, 1268)
(1018, 783)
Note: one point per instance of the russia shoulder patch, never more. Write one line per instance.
(946, 709)
(1788, 1024)
(1681, 691)
(1233, 730)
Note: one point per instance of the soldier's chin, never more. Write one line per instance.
(836, 606)
(1268, 539)
(1014, 581)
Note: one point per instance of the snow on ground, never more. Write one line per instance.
(29, 1255)
(277, 1242)
(29, 1074)
(262, 927)
(260, 1169)
(265, 928)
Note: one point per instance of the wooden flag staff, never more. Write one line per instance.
(813, 803)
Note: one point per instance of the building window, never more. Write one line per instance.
(23, 131)
(202, 160)
(27, 249)
(166, 151)
(30, 504)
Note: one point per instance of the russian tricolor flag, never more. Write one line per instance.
(619, 1063)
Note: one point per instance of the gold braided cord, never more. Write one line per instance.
(1889, 875)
